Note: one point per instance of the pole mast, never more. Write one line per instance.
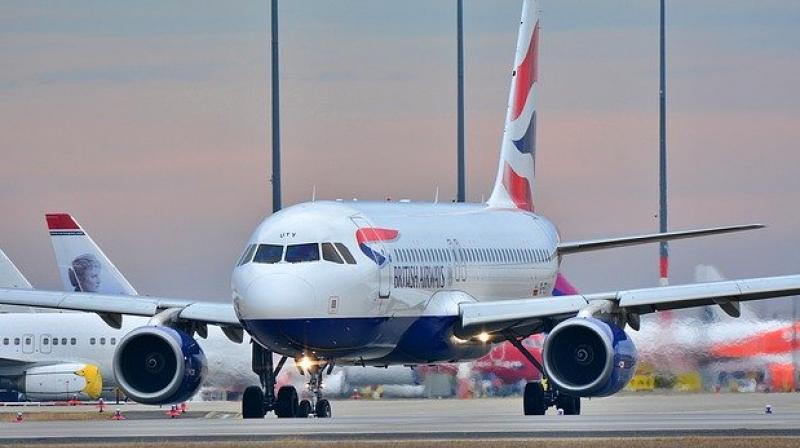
(276, 119)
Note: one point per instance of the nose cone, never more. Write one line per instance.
(277, 296)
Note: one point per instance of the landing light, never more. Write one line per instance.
(306, 363)
(483, 337)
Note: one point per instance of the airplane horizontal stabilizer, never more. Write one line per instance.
(608, 243)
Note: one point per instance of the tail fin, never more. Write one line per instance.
(513, 187)
(81, 263)
(10, 276)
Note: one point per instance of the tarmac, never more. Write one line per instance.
(638, 416)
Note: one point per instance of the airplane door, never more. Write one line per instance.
(27, 343)
(44, 343)
(459, 267)
(375, 249)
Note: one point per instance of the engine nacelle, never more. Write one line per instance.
(587, 357)
(159, 365)
(57, 382)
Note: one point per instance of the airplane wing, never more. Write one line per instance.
(221, 314)
(607, 243)
(532, 313)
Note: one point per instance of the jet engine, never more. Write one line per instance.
(159, 365)
(587, 357)
(57, 382)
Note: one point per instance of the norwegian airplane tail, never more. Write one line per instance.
(513, 186)
(82, 265)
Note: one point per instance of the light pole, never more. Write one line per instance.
(662, 159)
(461, 197)
(276, 119)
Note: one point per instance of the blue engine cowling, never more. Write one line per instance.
(587, 357)
(159, 365)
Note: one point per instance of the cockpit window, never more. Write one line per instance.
(329, 254)
(247, 255)
(348, 257)
(268, 253)
(300, 253)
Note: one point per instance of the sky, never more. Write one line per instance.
(149, 122)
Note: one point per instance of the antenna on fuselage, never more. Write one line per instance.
(314, 193)
(436, 196)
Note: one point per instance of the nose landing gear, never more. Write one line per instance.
(321, 407)
(257, 401)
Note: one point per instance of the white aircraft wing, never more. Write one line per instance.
(507, 314)
(202, 312)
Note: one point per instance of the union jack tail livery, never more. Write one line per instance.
(513, 186)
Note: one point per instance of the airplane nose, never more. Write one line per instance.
(277, 296)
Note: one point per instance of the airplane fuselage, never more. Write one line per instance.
(397, 301)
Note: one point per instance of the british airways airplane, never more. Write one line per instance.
(375, 284)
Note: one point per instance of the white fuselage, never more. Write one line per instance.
(28, 340)
(414, 265)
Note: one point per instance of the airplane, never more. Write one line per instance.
(31, 365)
(83, 266)
(41, 354)
(374, 283)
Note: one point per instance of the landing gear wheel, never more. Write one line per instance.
(533, 400)
(304, 409)
(569, 404)
(323, 409)
(253, 402)
(286, 404)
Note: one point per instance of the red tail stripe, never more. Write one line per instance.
(61, 221)
(518, 188)
(527, 74)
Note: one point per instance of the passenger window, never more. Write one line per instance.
(73, 341)
(92, 341)
(113, 341)
(269, 254)
(329, 254)
(300, 253)
(55, 341)
(63, 341)
(28, 341)
(45, 341)
(16, 341)
(345, 253)
(102, 341)
(5, 341)
(247, 255)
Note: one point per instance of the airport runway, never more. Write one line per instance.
(624, 416)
